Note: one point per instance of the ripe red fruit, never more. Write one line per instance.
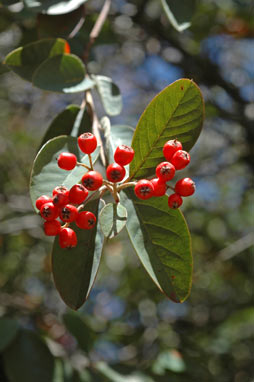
(115, 173)
(77, 194)
(67, 161)
(60, 196)
(86, 220)
(68, 213)
(144, 189)
(159, 187)
(165, 171)
(49, 211)
(185, 187)
(52, 228)
(92, 180)
(175, 201)
(180, 159)
(87, 143)
(124, 155)
(67, 238)
(170, 148)
(42, 200)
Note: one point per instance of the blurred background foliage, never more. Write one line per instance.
(128, 331)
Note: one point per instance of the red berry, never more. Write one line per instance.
(180, 159)
(42, 200)
(159, 187)
(86, 220)
(77, 194)
(67, 238)
(115, 173)
(175, 201)
(92, 180)
(170, 148)
(185, 187)
(52, 228)
(68, 213)
(87, 143)
(60, 196)
(124, 155)
(165, 171)
(49, 211)
(67, 161)
(144, 189)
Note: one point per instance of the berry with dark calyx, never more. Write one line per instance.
(165, 171)
(52, 228)
(60, 196)
(67, 238)
(175, 201)
(160, 187)
(144, 189)
(185, 187)
(92, 180)
(86, 220)
(171, 147)
(49, 211)
(87, 143)
(77, 194)
(42, 200)
(68, 213)
(124, 155)
(180, 159)
(67, 161)
(115, 172)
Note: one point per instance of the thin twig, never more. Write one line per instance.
(125, 185)
(84, 165)
(79, 25)
(90, 161)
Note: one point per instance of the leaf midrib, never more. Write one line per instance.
(169, 120)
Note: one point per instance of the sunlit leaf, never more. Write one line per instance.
(54, 7)
(112, 219)
(176, 112)
(169, 360)
(110, 95)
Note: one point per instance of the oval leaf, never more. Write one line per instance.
(28, 359)
(75, 269)
(176, 112)
(54, 7)
(113, 218)
(25, 60)
(161, 239)
(63, 73)
(110, 95)
(46, 174)
(8, 331)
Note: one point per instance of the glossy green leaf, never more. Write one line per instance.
(161, 239)
(77, 326)
(169, 360)
(28, 359)
(46, 174)
(25, 60)
(110, 95)
(75, 269)
(113, 218)
(176, 112)
(8, 331)
(63, 73)
(54, 7)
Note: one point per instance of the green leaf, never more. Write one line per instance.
(63, 73)
(54, 7)
(161, 239)
(28, 359)
(110, 95)
(8, 331)
(169, 360)
(75, 269)
(25, 60)
(176, 112)
(113, 218)
(46, 174)
(76, 325)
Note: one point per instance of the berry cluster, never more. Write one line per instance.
(176, 159)
(65, 205)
